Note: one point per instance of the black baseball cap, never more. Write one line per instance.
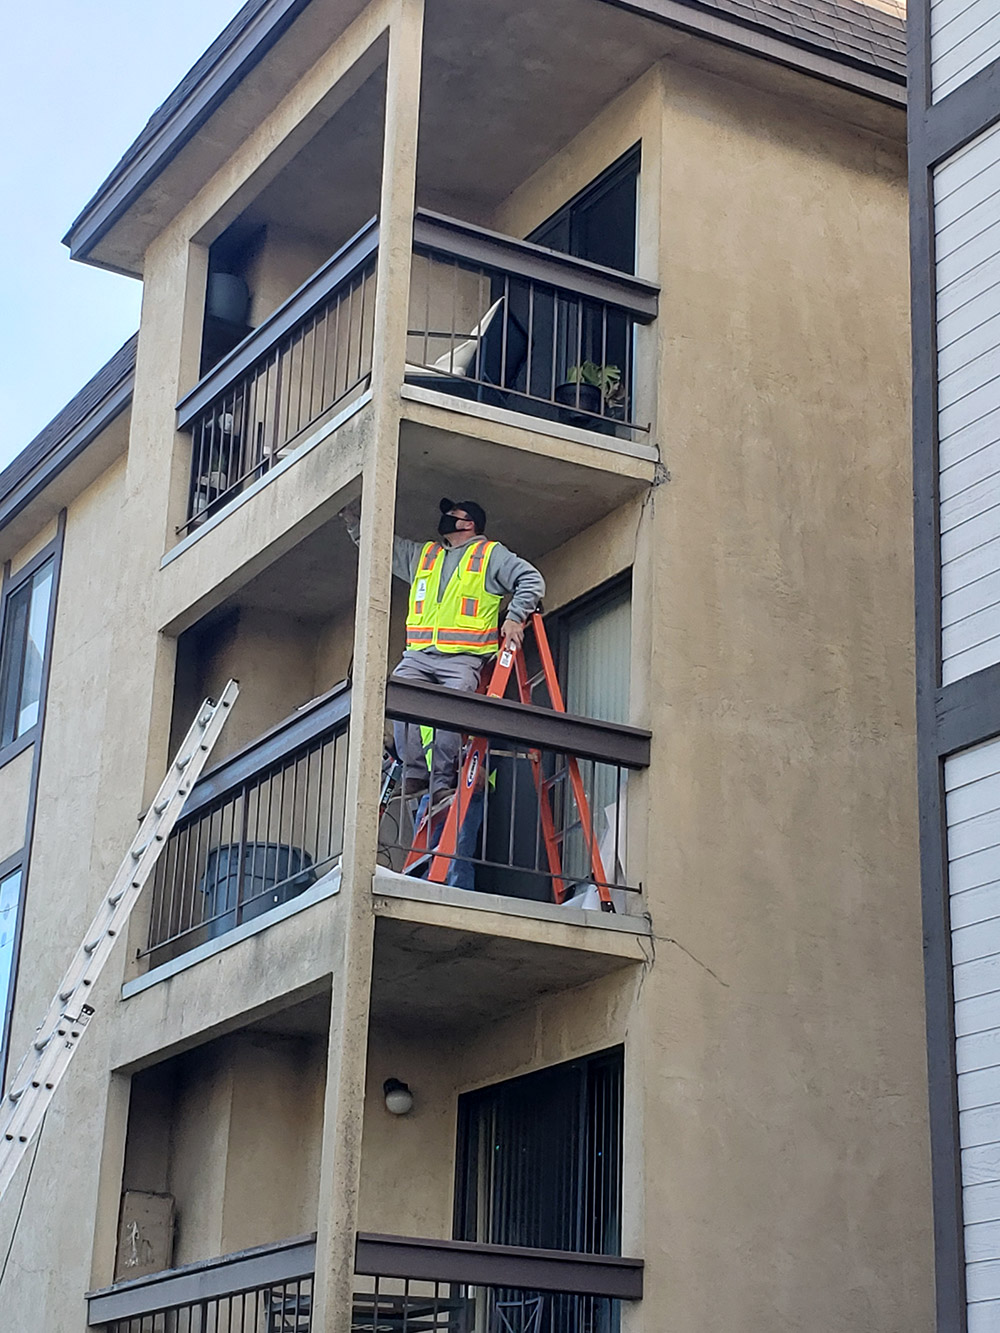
(475, 511)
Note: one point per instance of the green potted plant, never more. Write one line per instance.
(590, 388)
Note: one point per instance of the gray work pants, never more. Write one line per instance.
(459, 671)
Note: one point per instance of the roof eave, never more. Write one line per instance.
(135, 173)
(780, 48)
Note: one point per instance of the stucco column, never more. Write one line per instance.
(340, 1166)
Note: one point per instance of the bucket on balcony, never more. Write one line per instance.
(271, 873)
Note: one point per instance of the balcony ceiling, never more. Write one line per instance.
(507, 83)
(429, 980)
(534, 501)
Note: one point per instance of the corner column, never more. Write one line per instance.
(340, 1164)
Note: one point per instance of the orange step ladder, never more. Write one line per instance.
(474, 768)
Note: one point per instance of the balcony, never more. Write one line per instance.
(403, 1285)
(265, 827)
(310, 359)
(516, 326)
(496, 325)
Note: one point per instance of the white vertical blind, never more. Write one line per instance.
(972, 803)
(967, 243)
(598, 659)
(965, 38)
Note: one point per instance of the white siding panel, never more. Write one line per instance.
(977, 1129)
(972, 812)
(982, 1204)
(963, 37)
(969, 600)
(984, 1317)
(968, 377)
(981, 1166)
(957, 294)
(964, 443)
(961, 477)
(978, 977)
(972, 765)
(980, 1052)
(976, 1090)
(982, 1241)
(968, 943)
(974, 798)
(982, 1281)
(967, 242)
(985, 655)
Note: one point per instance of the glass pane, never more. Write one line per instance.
(10, 893)
(34, 650)
(15, 626)
(598, 661)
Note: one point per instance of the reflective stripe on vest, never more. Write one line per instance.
(461, 617)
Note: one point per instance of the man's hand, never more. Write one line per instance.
(511, 631)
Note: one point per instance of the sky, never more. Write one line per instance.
(78, 80)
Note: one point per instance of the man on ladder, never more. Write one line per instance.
(457, 585)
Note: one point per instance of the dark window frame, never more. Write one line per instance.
(10, 586)
(55, 549)
(628, 163)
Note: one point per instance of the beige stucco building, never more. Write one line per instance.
(377, 242)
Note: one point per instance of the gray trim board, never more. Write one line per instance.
(510, 720)
(263, 1266)
(808, 57)
(958, 715)
(463, 240)
(499, 1266)
(330, 711)
(947, 125)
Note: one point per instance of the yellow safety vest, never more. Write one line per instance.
(465, 618)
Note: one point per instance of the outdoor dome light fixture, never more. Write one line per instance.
(398, 1097)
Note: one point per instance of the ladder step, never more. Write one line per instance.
(46, 1061)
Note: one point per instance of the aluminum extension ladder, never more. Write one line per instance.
(58, 1035)
(474, 768)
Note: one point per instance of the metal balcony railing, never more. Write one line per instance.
(267, 823)
(403, 1285)
(515, 325)
(256, 831)
(505, 845)
(305, 361)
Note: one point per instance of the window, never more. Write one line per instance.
(540, 1159)
(22, 653)
(599, 223)
(10, 897)
(592, 640)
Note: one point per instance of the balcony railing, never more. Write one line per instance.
(267, 823)
(524, 806)
(403, 1285)
(256, 831)
(515, 325)
(303, 363)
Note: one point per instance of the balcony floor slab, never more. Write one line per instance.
(448, 961)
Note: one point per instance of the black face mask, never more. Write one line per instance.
(447, 524)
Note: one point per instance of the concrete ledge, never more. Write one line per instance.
(530, 425)
(323, 888)
(298, 452)
(404, 888)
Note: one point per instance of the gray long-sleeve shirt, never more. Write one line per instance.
(507, 574)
